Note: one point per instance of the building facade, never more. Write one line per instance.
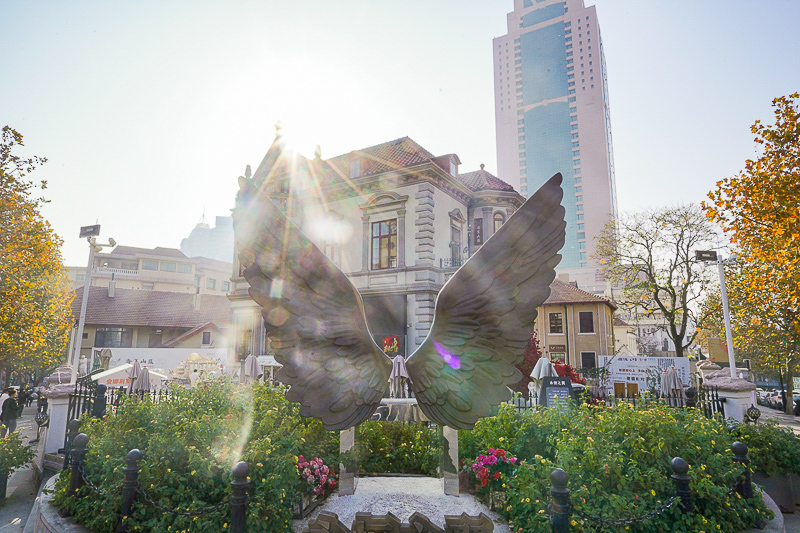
(574, 326)
(395, 218)
(157, 269)
(156, 327)
(552, 115)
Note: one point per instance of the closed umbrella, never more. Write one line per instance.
(142, 383)
(671, 387)
(544, 368)
(252, 370)
(133, 374)
(399, 372)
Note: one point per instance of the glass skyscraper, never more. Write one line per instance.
(552, 115)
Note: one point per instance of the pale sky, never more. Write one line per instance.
(148, 111)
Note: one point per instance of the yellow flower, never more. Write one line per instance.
(502, 439)
(574, 523)
(653, 492)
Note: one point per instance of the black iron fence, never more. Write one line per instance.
(90, 398)
(706, 398)
(132, 493)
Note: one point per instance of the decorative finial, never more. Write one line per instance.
(247, 172)
(318, 152)
(482, 165)
(278, 129)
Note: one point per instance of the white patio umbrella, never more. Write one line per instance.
(396, 388)
(544, 368)
(142, 383)
(252, 370)
(133, 374)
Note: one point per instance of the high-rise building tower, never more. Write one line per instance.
(552, 115)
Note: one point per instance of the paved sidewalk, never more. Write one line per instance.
(22, 491)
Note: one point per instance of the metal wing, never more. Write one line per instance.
(313, 314)
(485, 312)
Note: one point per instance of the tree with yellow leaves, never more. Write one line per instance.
(760, 210)
(35, 315)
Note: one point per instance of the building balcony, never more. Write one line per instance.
(116, 271)
(451, 264)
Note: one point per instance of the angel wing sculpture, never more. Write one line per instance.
(482, 321)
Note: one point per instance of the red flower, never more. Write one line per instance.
(500, 453)
(496, 475)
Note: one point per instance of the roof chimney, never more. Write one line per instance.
(112, 285)
(196, 301)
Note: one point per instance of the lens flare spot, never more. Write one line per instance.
(276, 288)
(449, 358)
(277, 316)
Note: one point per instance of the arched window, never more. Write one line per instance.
(499, 219)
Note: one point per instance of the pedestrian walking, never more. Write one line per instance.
(9, 413)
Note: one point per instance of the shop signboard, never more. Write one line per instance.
(637, 369)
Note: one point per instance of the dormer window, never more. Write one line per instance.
(453, 168)
(355, 168)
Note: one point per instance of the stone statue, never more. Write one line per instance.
(83, 366)
(482, 320)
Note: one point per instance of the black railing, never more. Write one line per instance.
(706, 398)
(451, 263)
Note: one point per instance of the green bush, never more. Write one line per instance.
(190, 445)
(410, 448)
(13, 453)
(617, 460)
(772, 448)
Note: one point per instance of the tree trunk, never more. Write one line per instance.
(788, 405)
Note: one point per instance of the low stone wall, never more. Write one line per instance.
(45, 516)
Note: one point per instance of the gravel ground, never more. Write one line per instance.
(402, 496)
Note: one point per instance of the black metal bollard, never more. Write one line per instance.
(73, 427)
(78, 454)
(559, 516)
(691, 397)
(239, 487)
(682, 489)
(743, 486)
(129, 488)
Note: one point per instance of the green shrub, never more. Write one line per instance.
(13, 453)
(411, 448)
(618, 462)
(771, 448)
(190, 445)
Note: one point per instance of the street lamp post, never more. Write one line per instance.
(90, 232)
(713, 258)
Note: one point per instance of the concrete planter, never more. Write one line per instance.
(779, 488)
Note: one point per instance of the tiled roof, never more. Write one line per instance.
(186, 335)
(619, 322)
(135, 307)
(564, 293)
(480, 180)
(392, 155)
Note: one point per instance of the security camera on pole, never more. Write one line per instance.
(739, 393)
(91, 233)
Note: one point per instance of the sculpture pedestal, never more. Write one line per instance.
(448, 462)
(348, 467)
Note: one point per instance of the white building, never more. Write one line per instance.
(395, 218)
